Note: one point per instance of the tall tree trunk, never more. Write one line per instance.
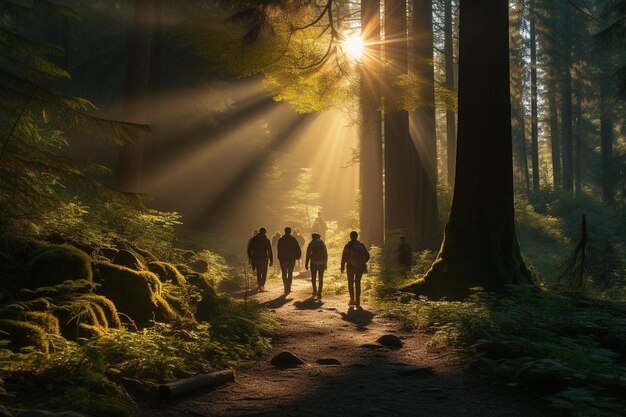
(480, 246)
(606, 143)
(534, 134)
(371, 174)
(136, 90)
(400, 154)
(555, 144)
(578, 152)
(450, 115)
(522, 143)
(423, 130)
(566, 104)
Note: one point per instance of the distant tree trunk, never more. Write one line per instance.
(555, 144)
(136, 90)
(371, 156)
(400, 154)
(480, 246)
(566, 104)
(450, 115)
(534, 134)
(423, 130)
(523, 143)
(606, 143)
(578, 151)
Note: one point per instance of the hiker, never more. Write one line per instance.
(254, 233)
(405, 257)
(300, 240)
(355, 257)
(317, 257)
(319, 226)
(288, 252)
(275, 248)
(259, 253)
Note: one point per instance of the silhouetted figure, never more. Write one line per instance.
(288, 252)
(317, 257)
(300, 240)
(405, 257)
(275, 248)
(355, 257)
(259, 253)
(319, 226)
(254, 233)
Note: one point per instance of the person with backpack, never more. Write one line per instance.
(288, 252)
(317, 257)
(259, 253)
(355, 257)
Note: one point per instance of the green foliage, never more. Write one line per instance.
(166, 272)
(23, 334)
(565, 347)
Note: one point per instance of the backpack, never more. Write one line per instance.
(317, 254)
(358, 256)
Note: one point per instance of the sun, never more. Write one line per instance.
(353, 46)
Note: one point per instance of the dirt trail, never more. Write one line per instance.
(366, 384)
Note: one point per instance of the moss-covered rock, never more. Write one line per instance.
(136, 294)
(208, 305)
(110, 317)
(45, 320)
(167, 272)
(199, 265)
(54, 264)
(188, 255)
(108, 253)
(83, 315)
(128, 259)
(23, 334)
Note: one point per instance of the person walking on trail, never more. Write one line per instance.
(288, 252)
(319, 226)
(254, 233)
(275, 248)
(405, 257)
(300, 240)
(355, 257)
(259, 253)
(317, 257)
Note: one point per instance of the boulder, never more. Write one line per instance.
(128, 259)
(54, 264)
(285, 360)
(391, 341)
(108, 253)
(45, 320)
(199, 266)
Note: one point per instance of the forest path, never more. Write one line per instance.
(366, 384)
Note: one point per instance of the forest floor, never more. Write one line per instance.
(367, 383)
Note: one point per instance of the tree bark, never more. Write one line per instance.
(555, 144)
(400, 154)
(480, 246)
(371, 155)
(578, 147)
(606, 143)
(566, 104)
(423, 130)
(534, 134)
(189, 385)
(450, 115)
(136, 90)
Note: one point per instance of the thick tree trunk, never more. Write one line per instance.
(450, 115)
(400, 154)
(606, 144)
(567, 141)
(135, 91)
(480, 246)
(555, 144)
(372, 215)
(534, 134)
(423, 131)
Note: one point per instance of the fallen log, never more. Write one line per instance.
(185, 386)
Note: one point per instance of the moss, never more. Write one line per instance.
(134, 293)
(23, 334)
(128, 259)
(108, 253)
(88, 330)
(199, 265)
(145, 254)
(184, 269)
(54, 264)
(167, 272)
(165, 312)
(45, 320)
(108, 307)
